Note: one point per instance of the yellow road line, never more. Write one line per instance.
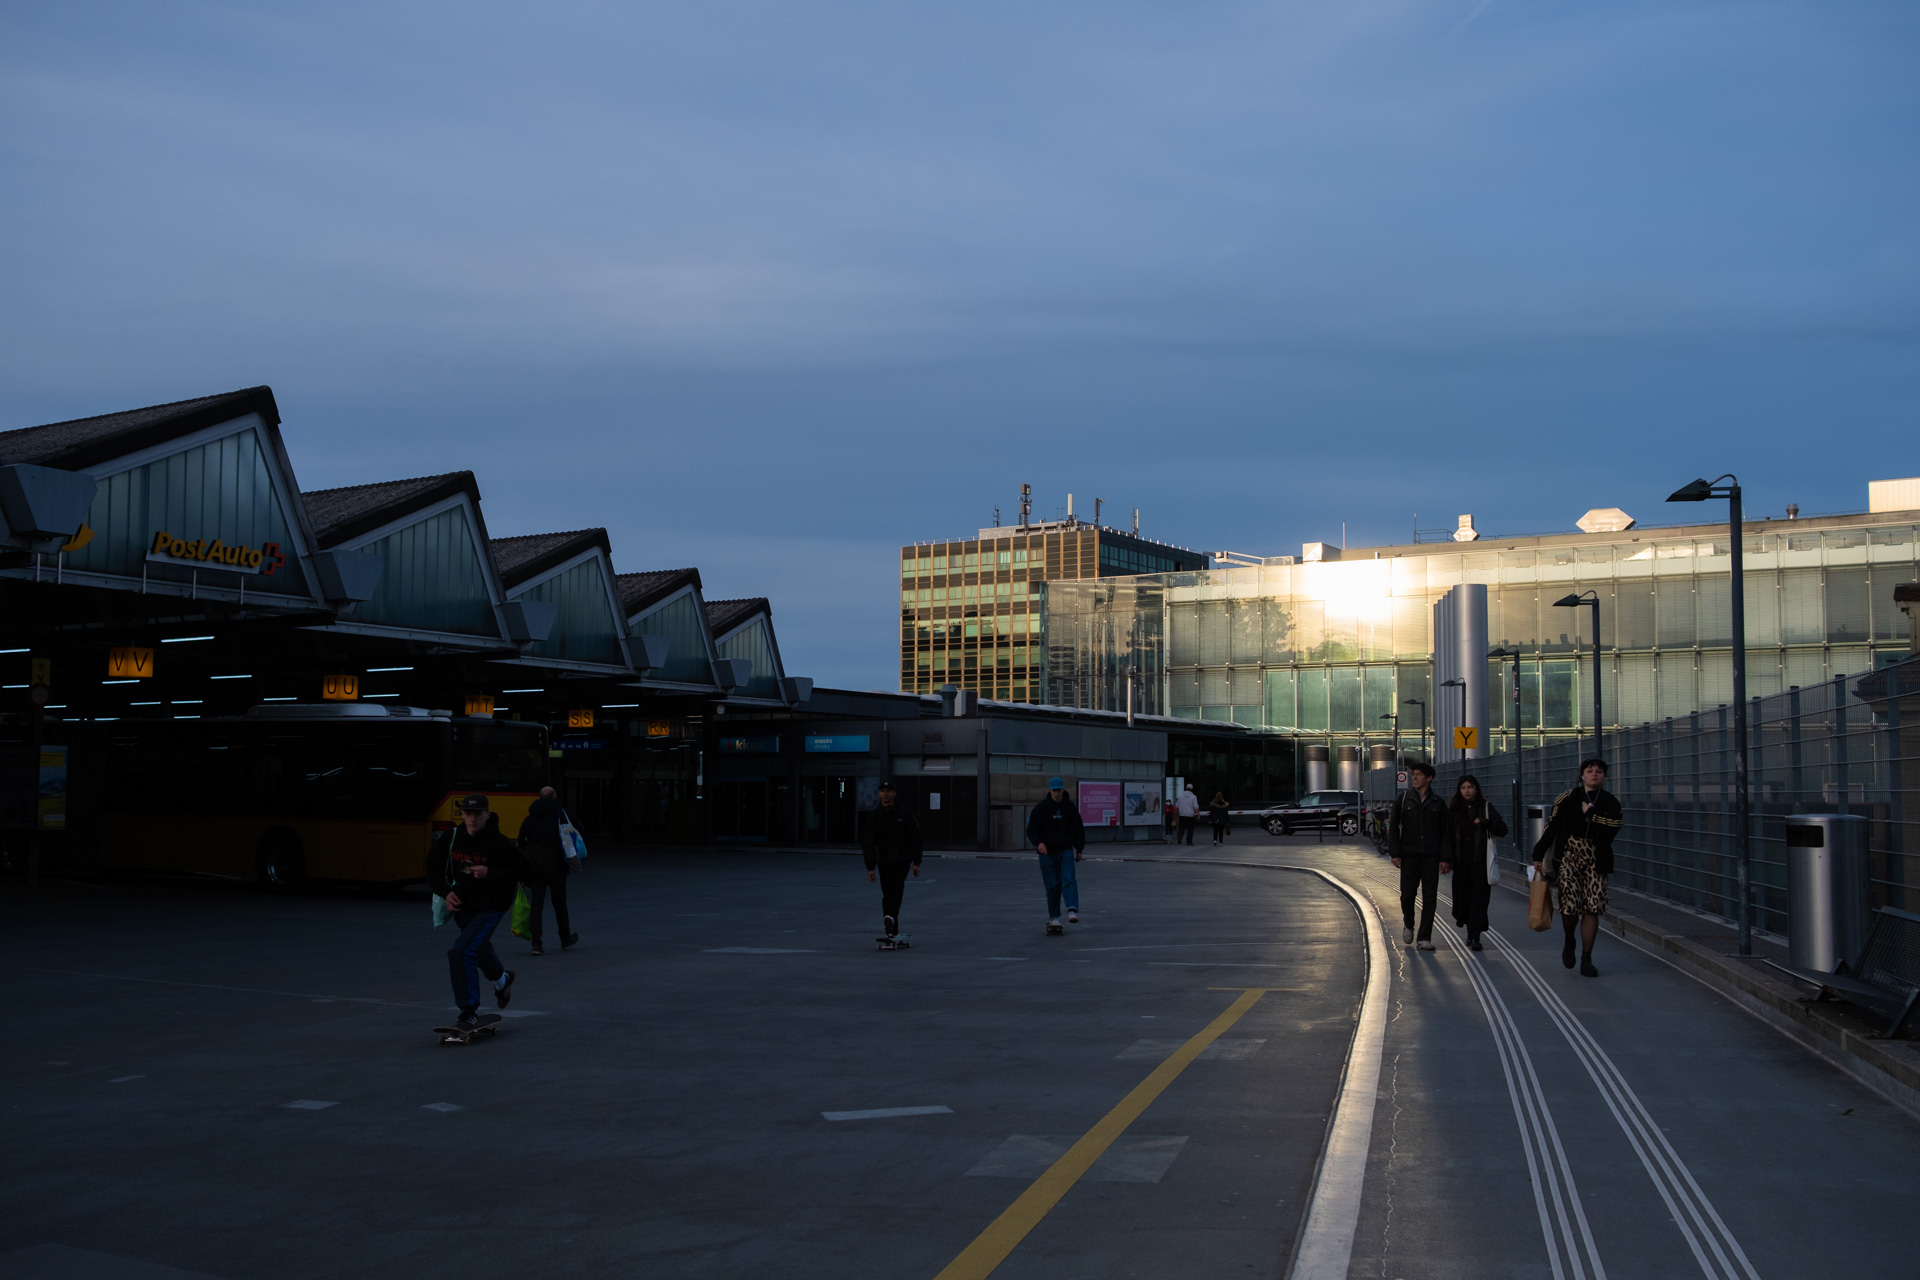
(991, 1247)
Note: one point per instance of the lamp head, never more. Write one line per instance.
(1451, 684)
(1568, 602)
(1696, 491)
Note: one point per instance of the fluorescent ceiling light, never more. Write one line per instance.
(143, 704)
(279, 699)
(12, 686)
(229, 677)
(370, 670)
(119, 682)
(186, 717)
(182, 639)
(517, 690)
(616, 706)
(16, 651)
(379, 695)
(187, 702)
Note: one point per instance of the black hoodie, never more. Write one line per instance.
(452, 859)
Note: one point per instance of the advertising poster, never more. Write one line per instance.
(1141, 804)
(1100, 804)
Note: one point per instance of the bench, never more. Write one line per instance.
(1886, 978)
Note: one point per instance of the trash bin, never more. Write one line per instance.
(1536, 827)
(1827, 899)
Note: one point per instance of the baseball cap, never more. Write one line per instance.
(475, 803)
(1056, 784)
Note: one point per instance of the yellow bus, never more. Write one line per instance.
(296, 792)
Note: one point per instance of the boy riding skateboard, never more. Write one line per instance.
(477, 870)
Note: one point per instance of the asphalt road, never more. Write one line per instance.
(207, 1079)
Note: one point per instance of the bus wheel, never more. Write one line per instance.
(280, 865)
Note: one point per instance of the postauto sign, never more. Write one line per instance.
(212, 553)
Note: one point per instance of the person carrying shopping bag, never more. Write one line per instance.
(548, 866)
(1475, 823)
(1575, 854)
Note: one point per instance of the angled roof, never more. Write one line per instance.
(532, 554)
(83, 442)
(638, 590)
(339, 514)
(724, 615)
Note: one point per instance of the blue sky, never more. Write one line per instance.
(773, 288)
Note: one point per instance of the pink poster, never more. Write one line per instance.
(1100, 804)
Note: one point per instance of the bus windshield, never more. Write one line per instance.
(502, 756)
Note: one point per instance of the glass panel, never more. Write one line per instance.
(1344, 700)
(431, 578)
(1280, 695)
(1379, 699)
(1312, 713)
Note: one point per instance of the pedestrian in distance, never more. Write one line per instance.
(1575, 854)
(1420, 839)
(892, 845)
(1475, 822)
(478, 871)
(1057, 834)
(548, 866)
(1188, 807)
(1217, 810)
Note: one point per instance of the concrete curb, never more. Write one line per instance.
(1890, 1068)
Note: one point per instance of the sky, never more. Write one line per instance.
(773, 289)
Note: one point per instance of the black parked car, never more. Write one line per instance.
(1340, 810)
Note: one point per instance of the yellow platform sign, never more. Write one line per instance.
(341, 688)
(1465, 737)
(128, 663)
(580, 719)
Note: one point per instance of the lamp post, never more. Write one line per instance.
(1461, 685)
(1592, 600)
(1393, 722)
(1700, 491)
(1421, 703)
(1519, 761)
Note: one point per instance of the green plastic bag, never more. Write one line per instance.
(522, 922)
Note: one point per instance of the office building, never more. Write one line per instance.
(1332, 645)
(970, 607)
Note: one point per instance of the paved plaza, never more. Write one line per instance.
(727, 1079)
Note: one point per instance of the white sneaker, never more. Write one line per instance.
(1406, 936)
(1425, 945)
(1073, 915)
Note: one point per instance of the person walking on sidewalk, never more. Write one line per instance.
(892, 845)
(477, 870)
(548, 866)
(1475, 821)
(1059, 836)
(1188, 807)
(1217, 810)
(1576, 854)
(1419, 837)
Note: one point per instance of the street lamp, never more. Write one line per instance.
(1420, 703)
(1393, 722)
(1519, 761)
(1592, 600)
(1700, 491)
(1461, 685)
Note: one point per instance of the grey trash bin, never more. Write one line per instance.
(1827, 899)
(1536, 827)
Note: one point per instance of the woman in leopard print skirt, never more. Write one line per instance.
(1579, 842)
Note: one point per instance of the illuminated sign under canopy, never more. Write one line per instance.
(212, 553)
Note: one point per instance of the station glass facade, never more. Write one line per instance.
(970, 610)
(1324, 650)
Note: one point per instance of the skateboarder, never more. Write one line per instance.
(1056, 831)
(892, 844)
(477, 870)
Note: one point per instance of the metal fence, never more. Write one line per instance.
(1849, 745)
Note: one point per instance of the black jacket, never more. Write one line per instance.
(1470, 852)
(1599, 824)
(1056, 824)
(892, 837)
(540, 838)
(451, 861)
(1420, 829)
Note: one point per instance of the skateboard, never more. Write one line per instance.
(897, 943)
(1055, 930)
(489, 1025)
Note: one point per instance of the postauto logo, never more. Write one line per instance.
(262, 560)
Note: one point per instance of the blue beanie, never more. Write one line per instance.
(1056, 784)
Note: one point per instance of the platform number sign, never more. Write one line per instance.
(43, 671)
(129, 663)
(582, 719)
(659, 728)
(341, 688)
(479, 704)
(1465, 737)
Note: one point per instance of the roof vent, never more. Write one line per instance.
(1606, 520)
(1466, 532)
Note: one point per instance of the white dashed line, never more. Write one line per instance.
(308, 1104)
(124, 1079)
(443, 1106)
(882, 1113)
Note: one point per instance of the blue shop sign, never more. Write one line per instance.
(767, 746)
(839, 742)
(582, 744)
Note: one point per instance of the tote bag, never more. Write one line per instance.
(1539, 909)
(572, 843)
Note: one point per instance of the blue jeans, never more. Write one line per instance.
(1056, 872)
(472, 955)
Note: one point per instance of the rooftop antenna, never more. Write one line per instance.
(1097, 504)
(1026, 503)
(1136, 522)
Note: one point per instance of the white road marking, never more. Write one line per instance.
(760, 951)
(1325, 1249)
(307, 1104)
(1218, 1051)
(124, 1079)
(882, 1113)
(1003, 957)
(1134, 1158)
(443, 1106)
